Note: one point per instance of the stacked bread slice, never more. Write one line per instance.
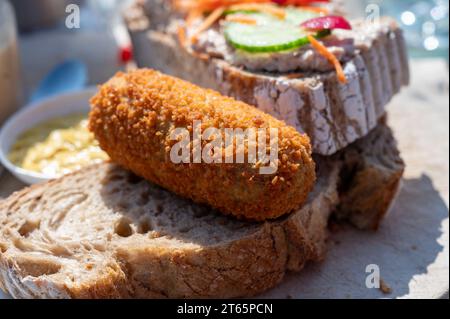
(104, 232)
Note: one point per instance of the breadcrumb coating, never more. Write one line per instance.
(134, 114)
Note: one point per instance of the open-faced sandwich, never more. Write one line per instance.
(185, 211)
(326, 76)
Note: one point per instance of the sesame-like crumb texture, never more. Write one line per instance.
(134, 114)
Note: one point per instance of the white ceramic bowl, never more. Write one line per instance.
(33, 114)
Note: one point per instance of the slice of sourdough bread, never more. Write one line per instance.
(104, 233)
(332, 114)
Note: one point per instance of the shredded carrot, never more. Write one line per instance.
(261, 7)
(294, 75)
(300, 3)
(181, 33)
(209, 21)
(240, 18)
(199, 55)
(210, 5)
(192, 16)
(319, 10)
(321, 49)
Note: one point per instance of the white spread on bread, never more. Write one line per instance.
(304, 58)
(344, 44)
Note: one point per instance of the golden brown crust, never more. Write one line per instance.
(134, 114)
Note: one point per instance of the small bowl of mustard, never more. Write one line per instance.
(50, 138)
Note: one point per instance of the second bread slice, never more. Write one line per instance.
(102, 232)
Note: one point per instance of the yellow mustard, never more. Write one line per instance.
(56, 147)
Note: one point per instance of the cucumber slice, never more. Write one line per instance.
(270, 34)
(264, 38)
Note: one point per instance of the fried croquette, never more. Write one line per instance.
(134, 116)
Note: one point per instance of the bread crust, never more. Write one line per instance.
(372, 166)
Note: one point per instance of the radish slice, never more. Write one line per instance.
(326, 23)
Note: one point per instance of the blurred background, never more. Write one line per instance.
(425, 22)
(44, 41)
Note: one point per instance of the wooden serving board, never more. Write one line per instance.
(411, 248)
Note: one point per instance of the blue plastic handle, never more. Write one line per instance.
(68, 76)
